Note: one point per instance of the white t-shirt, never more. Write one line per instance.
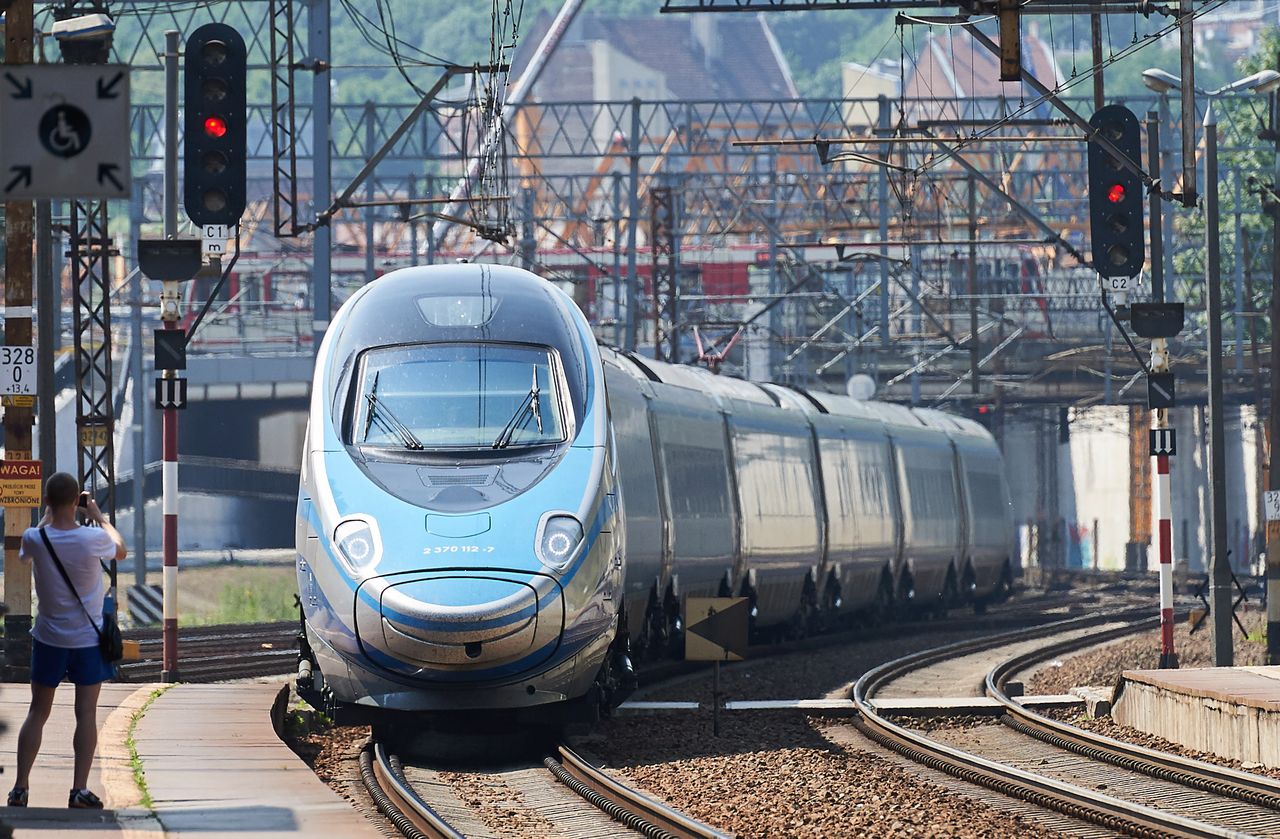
(60, 621)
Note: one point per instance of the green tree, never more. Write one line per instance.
(1246, 167)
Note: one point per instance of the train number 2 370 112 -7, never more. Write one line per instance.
(457, 549)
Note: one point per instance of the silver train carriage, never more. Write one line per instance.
(493, 511)
(810, 504)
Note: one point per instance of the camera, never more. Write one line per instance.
(84, 39)
(84, 501)
(83, 26)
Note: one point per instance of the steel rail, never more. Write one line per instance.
(236, 651)
(219, 652)
(396, 799)
(1051, 793)
(624, 804)
(1198, 774)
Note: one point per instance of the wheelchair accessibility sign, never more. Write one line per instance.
(65, 131)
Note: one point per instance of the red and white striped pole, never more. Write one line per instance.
(1164, 446)
(169, 489)
(169, 316)
(1164, 512)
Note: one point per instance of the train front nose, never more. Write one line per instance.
(463, 622)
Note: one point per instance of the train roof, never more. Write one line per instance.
(463, 303)
(722, 388)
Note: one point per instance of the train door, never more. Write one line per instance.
(694, 463)
(642, 505)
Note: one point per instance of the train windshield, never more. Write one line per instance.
(458, 396)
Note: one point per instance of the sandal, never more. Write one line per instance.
(18, 797)
(82, 799)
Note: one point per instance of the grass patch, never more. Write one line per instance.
(235, 593)
(135, 762)
(243, 603)
(301, 723)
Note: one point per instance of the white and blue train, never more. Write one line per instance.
(496, 513)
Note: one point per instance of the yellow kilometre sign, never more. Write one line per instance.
(716, 628)
(20, 483)
(94, 436)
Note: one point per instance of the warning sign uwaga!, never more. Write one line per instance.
(20, 483)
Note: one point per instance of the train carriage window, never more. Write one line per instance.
(466, 396)
(932, 492)
(696, 477)
(989, 501)
(458, 309)
(873, 490)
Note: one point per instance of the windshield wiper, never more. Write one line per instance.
(382, 415)
(373, 390)
(520, 417)
(534, 393)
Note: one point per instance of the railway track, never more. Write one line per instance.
(1118, 786)
(565, 794)
(432, 802)
(217, 653)
(240, 651)
(1023, 609)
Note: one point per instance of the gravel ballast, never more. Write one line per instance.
(777, 775)
(770, 774)
(1103, 665)
(1110, 728)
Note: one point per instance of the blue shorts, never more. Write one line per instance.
(82, 666)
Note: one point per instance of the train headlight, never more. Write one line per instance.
(558, 541)
(358, 544)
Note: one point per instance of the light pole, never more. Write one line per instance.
(1220, 586)
(1273, 474)
(1262, 82)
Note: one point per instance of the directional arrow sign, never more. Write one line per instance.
(66, 131)
(171, 394)
(20, 176)
(107, 174)
(1164, 441)
(715, 628)
(109, 86)
(21, 86)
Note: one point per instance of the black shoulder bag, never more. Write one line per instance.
(110, 641)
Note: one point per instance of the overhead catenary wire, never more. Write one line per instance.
(1059, 87)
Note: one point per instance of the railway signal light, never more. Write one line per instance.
(215, 142)
(1115, 195)
(987, 415)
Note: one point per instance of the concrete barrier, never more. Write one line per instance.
(1233, 712)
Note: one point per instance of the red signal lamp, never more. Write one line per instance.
(1116, 194)
(215, 127)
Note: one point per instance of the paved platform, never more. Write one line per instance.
(211, 760)
(1233, 712)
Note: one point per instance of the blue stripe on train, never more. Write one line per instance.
(546, 656)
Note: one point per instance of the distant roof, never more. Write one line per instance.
(746, 62)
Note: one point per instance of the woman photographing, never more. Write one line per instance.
(65, 638)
